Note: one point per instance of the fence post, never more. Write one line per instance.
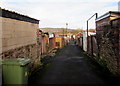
(82, 42)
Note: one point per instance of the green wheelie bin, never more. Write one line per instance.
(15, 71)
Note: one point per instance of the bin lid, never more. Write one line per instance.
(16, 61)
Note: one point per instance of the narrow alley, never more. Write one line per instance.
(59, 42)
(71, 66)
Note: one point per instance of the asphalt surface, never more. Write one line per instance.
(71, 67)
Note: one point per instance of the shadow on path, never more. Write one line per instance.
(70, 66)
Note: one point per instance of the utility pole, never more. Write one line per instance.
(66, 27)
(63, 32)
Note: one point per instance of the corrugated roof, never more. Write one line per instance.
(13, 15)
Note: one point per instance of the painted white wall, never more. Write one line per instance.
(85, 39)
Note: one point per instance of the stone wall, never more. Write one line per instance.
(115, 39)
(28, 51)
(0, 37)
(19, 39)
(107, 38)
(0, 48)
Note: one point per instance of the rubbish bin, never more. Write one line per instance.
(15, 71)
(0, 73)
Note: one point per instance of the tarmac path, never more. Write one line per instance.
(70, 66)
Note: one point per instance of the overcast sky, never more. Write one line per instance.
(56, 13)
